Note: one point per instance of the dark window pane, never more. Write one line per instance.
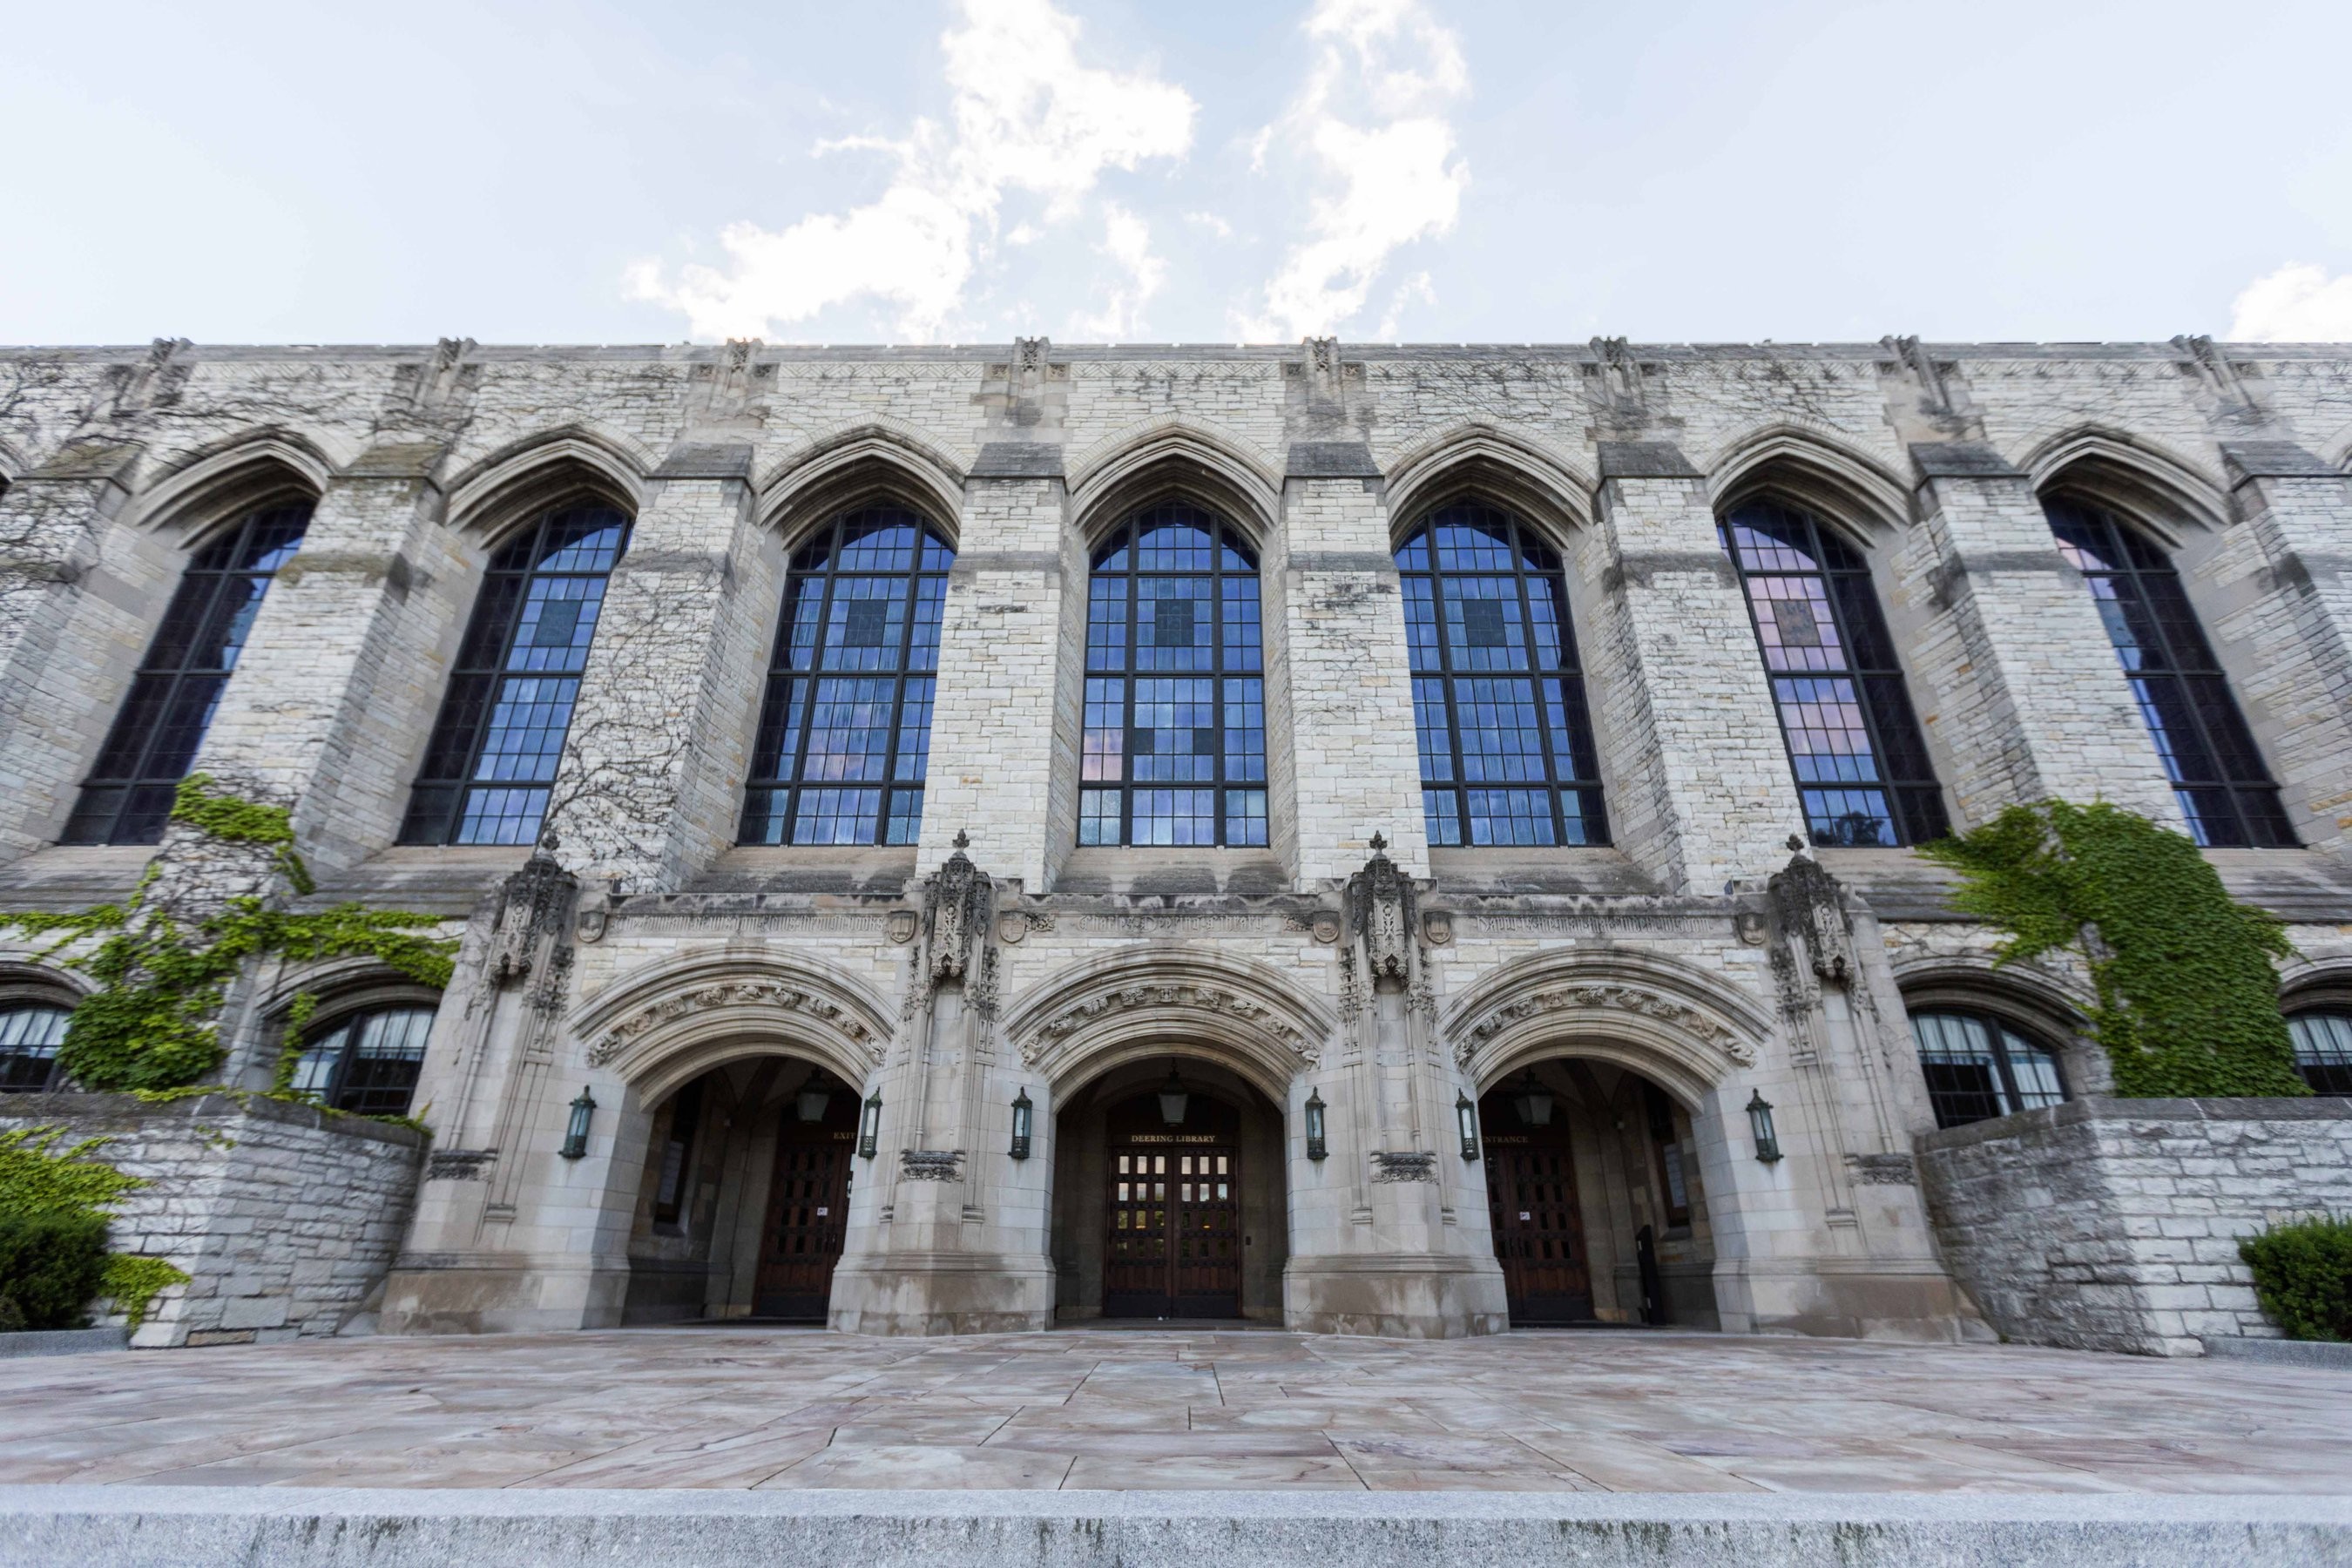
(2323, 1050)
(1976, 1067)
(29, 1038)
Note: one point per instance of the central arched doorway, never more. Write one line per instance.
(1168, 1198)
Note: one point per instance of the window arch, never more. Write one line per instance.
(1978, 1066)
(2218, 774)
(366, 1062)
(1174, 749)
(2323, 1048)
(845, 728)
(30, 1033)
(494, 750)
(127, 798)
(1861, 766)
(1506, 751)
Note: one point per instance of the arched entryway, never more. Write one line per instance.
(743, 1203)
(1594, 1197)
(1169, 1195)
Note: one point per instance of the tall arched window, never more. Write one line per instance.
(30, 1033)
(2323, 1048)
(1861, 766)
(128, 796)
(493, 753)
(846, 730)
(1175, 709)
(2218, 774)
(366, 1063)
(1977, 1068)
(1507, 753)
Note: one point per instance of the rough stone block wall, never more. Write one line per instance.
(2113, 1225)
(285, 1217)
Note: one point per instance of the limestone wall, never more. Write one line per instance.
(2113, 1223)
(286, 1217)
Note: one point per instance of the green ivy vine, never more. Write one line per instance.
(2187, 996)
(153, 1025)
(36, 1179)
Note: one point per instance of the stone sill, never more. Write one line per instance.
(84, 1113)
(1468, 872)
(1172, 873)
(862, 870)
(2106, 1108)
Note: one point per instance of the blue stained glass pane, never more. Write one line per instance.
(1517, 816)
(837, 815)
(1098, 816)
(1828, 742)
(1246, 817)
(905, 824)
(1441, 817)
(1174, 817)
(1106, 731)
(1501, 733)
(915, 733)
(527, 726)
(501, 816)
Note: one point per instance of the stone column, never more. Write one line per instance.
(1341, 753)
(650, 786)
(1703, 789)
(2018, 678)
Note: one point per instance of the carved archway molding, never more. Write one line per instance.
(1152, 997)
(662, 1025)
(1669, 1020)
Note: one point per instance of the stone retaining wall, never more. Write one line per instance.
(2113, 1223)
(286, 1217)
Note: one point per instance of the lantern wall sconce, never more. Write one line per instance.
(815, 1096)
(1175, 1096)
(1022, 1111)
(575, 1135)
(1759, 1121)
(869, 1126)
(1466, 1116)
(1317, 1147)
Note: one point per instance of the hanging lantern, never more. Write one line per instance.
(1465, 1117)
(869, 1126)
(1021, 1113)
(1316, 1147)
(1173, 1098)
(816, 1098)
(1759, 1121)
(1533, 1100)
(575, 1136)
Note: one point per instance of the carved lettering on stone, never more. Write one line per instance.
(930, 1164)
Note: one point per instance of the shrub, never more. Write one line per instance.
(51, 1266)
(2303, 1276)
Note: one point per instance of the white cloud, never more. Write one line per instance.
(1126, 241)
(1027, 115)
(2299, 304)
(1213, 222)
(1373, 117)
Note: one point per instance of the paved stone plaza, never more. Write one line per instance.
(1151, 1408)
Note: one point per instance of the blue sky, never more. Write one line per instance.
(1108, 170)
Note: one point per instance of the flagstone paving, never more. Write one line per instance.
(1176, 1407)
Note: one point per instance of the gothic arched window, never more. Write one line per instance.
(492, 757)
(1175, 705)
(1862, 767)
(2218, 774)
(128, 796)
(366, 1063)
(1507, 753)
(1977, 1068)
(30, 1033)
(846, 730)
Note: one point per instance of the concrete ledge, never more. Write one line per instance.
(66, 1342)
(2337, 1353)
(168, 1527)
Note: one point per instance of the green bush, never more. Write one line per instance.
(2303, 1277)
(51, 1266)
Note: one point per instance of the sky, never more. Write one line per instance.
(1214, 170)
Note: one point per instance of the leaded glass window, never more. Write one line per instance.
(492, 757)
(2323, 1050)
(1506, 752)
(1175, 700)
(29, 1038)
(368, 1063)
(128, 795)
(846, 730)
(1979, 1067)
(2218, 774)
(1862, 774)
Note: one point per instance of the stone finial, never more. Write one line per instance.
(962, 839)
(1379, 841)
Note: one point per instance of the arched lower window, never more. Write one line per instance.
(30, 1033)
(366, 1063)
(846, 730)
(1175, 703)
(1507, 753)
(2218, 774)
(494, 751)
(128, 796)
(2323, 1049)
(1861, 766)
(1978, 1066)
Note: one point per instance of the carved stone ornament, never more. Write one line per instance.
(1751, 927)
(1326, 928)
(1605, 998)
(1012, 928)
(1437, 928)
(457, 1164)
(1811, 934)
(902, 925)
(530, 931)
(1189, 994)
(1882, 1170)
(930, 1164)
(1379, 909)
(590, 927)
(1405, 1165)
(762, 993)
(958, 899)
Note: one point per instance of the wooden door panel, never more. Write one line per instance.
(1531, 1201)
(1173, 1248)
(808, 1218)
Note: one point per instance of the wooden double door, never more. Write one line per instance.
(1173, 1243)
(808, 1211)
(1531, 1202)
